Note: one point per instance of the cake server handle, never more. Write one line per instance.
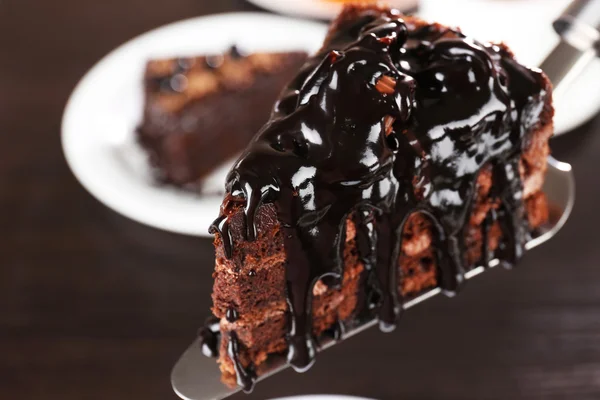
(579, 29)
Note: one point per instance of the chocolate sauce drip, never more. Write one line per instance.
(210, 336)
(246, 377)
(221, 227)
(513, 212)
(329, 152)
(486, 254)
(231, 315)
(366, 241)
(337, 331)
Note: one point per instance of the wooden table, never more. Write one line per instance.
(95, 306)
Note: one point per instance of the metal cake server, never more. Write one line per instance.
(197, 377)
(579, 31)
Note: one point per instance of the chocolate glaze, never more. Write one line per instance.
(210, 336)
(231, 314)
(336, 331)
(328, 153)
(246, 377)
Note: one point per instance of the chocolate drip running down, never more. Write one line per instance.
(386, 121)
(210, 336)
(245, 376)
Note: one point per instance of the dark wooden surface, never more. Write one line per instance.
(95, 306)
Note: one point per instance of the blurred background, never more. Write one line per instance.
(94, 305)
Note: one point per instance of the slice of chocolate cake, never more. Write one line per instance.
(201, 111)
(403, 155)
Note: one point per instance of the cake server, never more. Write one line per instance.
(579, 30)
(197, 377)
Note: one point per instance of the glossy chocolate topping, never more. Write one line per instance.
(210, 335)
(245, 376)
(387, 120)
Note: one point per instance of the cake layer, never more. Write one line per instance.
(246, 281)
(264, 333)
(201, 111)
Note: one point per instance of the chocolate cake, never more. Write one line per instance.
(403, 155)
(201, 111)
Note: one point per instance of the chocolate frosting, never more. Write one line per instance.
(387, 120)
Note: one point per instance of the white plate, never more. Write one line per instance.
(106, 106)
(526, 27)
(320, 9)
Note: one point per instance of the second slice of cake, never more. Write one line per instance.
(201, 111)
